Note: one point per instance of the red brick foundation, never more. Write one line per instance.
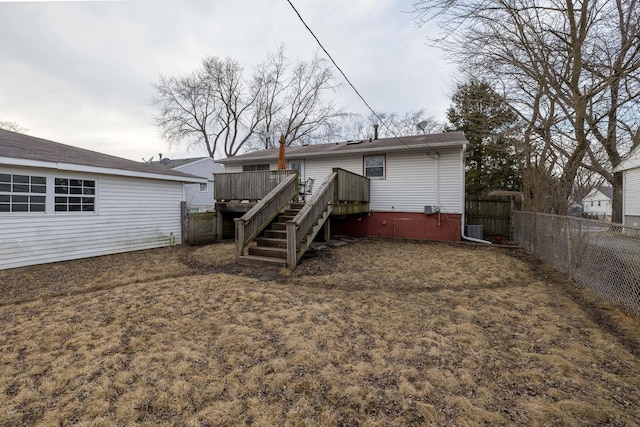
(402, 225)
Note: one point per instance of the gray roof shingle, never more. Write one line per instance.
(445, 139)
(19, 146)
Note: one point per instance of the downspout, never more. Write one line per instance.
(471, 239)
(437, 160)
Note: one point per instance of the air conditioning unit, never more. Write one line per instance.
(474, 231)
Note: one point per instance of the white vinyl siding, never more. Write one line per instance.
(205, 168)
(631, 190)
(410, 181)
(132, 214)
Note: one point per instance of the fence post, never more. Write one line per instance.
(183, 222)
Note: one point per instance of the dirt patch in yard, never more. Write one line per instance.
(372, 333)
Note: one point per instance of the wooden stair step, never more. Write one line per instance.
(285, 218)
(262, 261)
(278, 226)
(297, 206)
(271, 242)
(268, 252)
(276, 234)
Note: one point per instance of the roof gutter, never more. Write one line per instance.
(471, 239)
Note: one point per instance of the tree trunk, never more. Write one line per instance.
(616, 203)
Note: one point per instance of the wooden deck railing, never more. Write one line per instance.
(253, 222)
(305, 225)
(247, 185)
(351, 187)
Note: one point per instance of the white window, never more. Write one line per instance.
(374, 166)
(75, 195)
(22, 193)
(251, 168)
(204, 187)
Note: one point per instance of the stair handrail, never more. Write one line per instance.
(262, 213)
(301, 224)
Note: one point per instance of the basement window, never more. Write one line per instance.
(374, 166)
(204, 187)
(75, 195)
(22, 193)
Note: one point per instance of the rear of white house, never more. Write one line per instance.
(59, 203)
(416, 182)
(630, 167)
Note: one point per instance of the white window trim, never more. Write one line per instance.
(52, 192)
(27, 194)
(384, 166)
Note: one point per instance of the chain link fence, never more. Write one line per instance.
(602, 256)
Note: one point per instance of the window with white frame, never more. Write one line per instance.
(74, 195)
(204, 187)
(374, 166)
(22, 193)
(252, 168)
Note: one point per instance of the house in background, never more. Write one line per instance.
(416, 182)
(199, 197)
(597, 204)
(630, 168)
(59, 202)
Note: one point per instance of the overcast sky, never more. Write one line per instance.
(80, 72)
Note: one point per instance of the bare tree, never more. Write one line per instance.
(356, 126)
(12, 126)
(571, 70)
(217, 107)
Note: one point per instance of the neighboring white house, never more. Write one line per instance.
(597, 203)
(59, 202)
(199, 196)
(630, 167)
(417, 182)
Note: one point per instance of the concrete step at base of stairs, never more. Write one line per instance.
(262, 261)
(268, 252)
(271, 242)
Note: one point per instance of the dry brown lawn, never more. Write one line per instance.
(372, 333)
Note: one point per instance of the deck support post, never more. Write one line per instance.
(239, 237)
(327, 230)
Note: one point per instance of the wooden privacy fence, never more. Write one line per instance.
(199, 227)
(493, 213)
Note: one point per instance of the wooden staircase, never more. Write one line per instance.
(271, 245)
(277, 230)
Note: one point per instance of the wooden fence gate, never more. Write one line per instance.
(199, 227)
(493, 213)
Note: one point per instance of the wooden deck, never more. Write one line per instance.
(267, 197)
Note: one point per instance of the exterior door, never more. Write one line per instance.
(299, 166)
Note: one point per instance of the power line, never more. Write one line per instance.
(345, 76)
